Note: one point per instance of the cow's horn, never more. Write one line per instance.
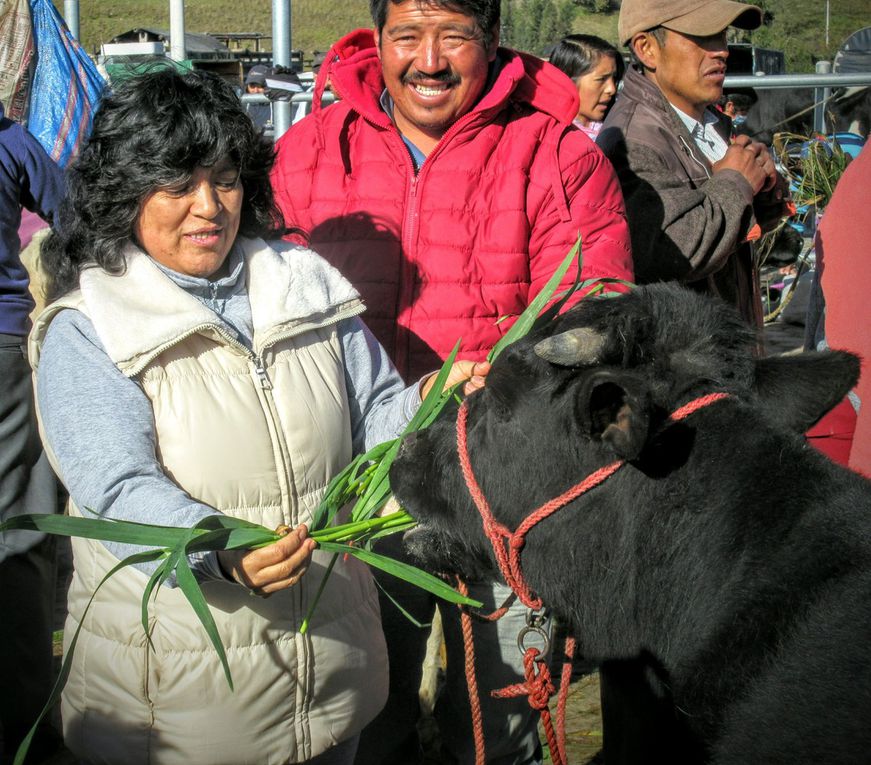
(572, 348)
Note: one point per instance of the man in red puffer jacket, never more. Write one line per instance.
(448, 184)
(443, 247)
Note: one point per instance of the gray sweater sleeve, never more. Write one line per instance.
(381, 404)
(100, 426)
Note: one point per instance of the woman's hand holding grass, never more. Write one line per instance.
(474, 372)
(269, 569)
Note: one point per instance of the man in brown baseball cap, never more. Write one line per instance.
(693, 17)
(693, 197)
(694, 200)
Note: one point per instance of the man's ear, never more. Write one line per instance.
(646, 49)
(615, 409)
(377, 34)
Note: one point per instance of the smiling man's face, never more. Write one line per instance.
(689, 70)
(435, 63)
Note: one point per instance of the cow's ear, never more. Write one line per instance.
(615, 409)
(798, 390)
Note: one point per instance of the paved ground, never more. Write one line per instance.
(583, 720)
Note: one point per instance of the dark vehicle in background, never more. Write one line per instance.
(745, 58)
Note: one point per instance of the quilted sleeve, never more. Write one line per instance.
(584, 201)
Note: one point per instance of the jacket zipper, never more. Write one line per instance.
(693, 157)
(268, 403)
(406, 275)
(408, 240)
(410, 229)
(262, 376)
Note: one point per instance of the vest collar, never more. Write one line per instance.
(140, 312)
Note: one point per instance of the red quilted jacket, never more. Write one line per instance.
(476, 233)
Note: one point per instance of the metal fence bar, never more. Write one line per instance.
(71, 16)
(768, 81)
(271, 129)
(177, 50)
(821, 98)
(298, 98)
(762, 82)
(281, 57)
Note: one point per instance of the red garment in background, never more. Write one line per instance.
(30, 224)
(833, 434)
(843, 250)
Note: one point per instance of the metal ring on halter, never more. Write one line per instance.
(534, 622)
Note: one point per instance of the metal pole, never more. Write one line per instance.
(821, 97)
(177, 50)
(280, 57)
(827, 26)
(71, 16)
(772, 81)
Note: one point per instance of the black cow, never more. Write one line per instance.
(730, 558)
(792, 111)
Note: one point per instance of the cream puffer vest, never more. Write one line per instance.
(257, 436)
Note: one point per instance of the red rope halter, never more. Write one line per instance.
(507, 546)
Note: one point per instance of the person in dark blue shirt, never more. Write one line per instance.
(28, 179)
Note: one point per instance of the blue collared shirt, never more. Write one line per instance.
(417, 156)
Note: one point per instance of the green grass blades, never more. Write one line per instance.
(378, 489)
(410, 574)
(361, 531)
(191, 589)
(349, 483)
(437, 396)
(529, 316)
(217, 532)
(358, 532)
(97, 528)
(64, 673)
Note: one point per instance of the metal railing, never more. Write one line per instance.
(822, 82)
(274, 128)
(769, 81)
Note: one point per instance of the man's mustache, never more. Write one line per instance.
(445, 76)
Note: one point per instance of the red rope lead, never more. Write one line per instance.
(471, 680)
(538, 687)
(563, 698)
(693, 406)
(509, 559)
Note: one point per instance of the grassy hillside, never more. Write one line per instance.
(798, 27)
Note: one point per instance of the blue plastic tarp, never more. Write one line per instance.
(66, 86)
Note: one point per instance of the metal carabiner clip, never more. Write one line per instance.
(534, 628)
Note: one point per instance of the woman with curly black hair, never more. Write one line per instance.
(187, 368)
(154, 131)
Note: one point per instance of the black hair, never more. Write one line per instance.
(152, 130)
(485, 12)
(578, 54)
(741, 100)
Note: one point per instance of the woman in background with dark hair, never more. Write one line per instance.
(188, 368)
(596, 68)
